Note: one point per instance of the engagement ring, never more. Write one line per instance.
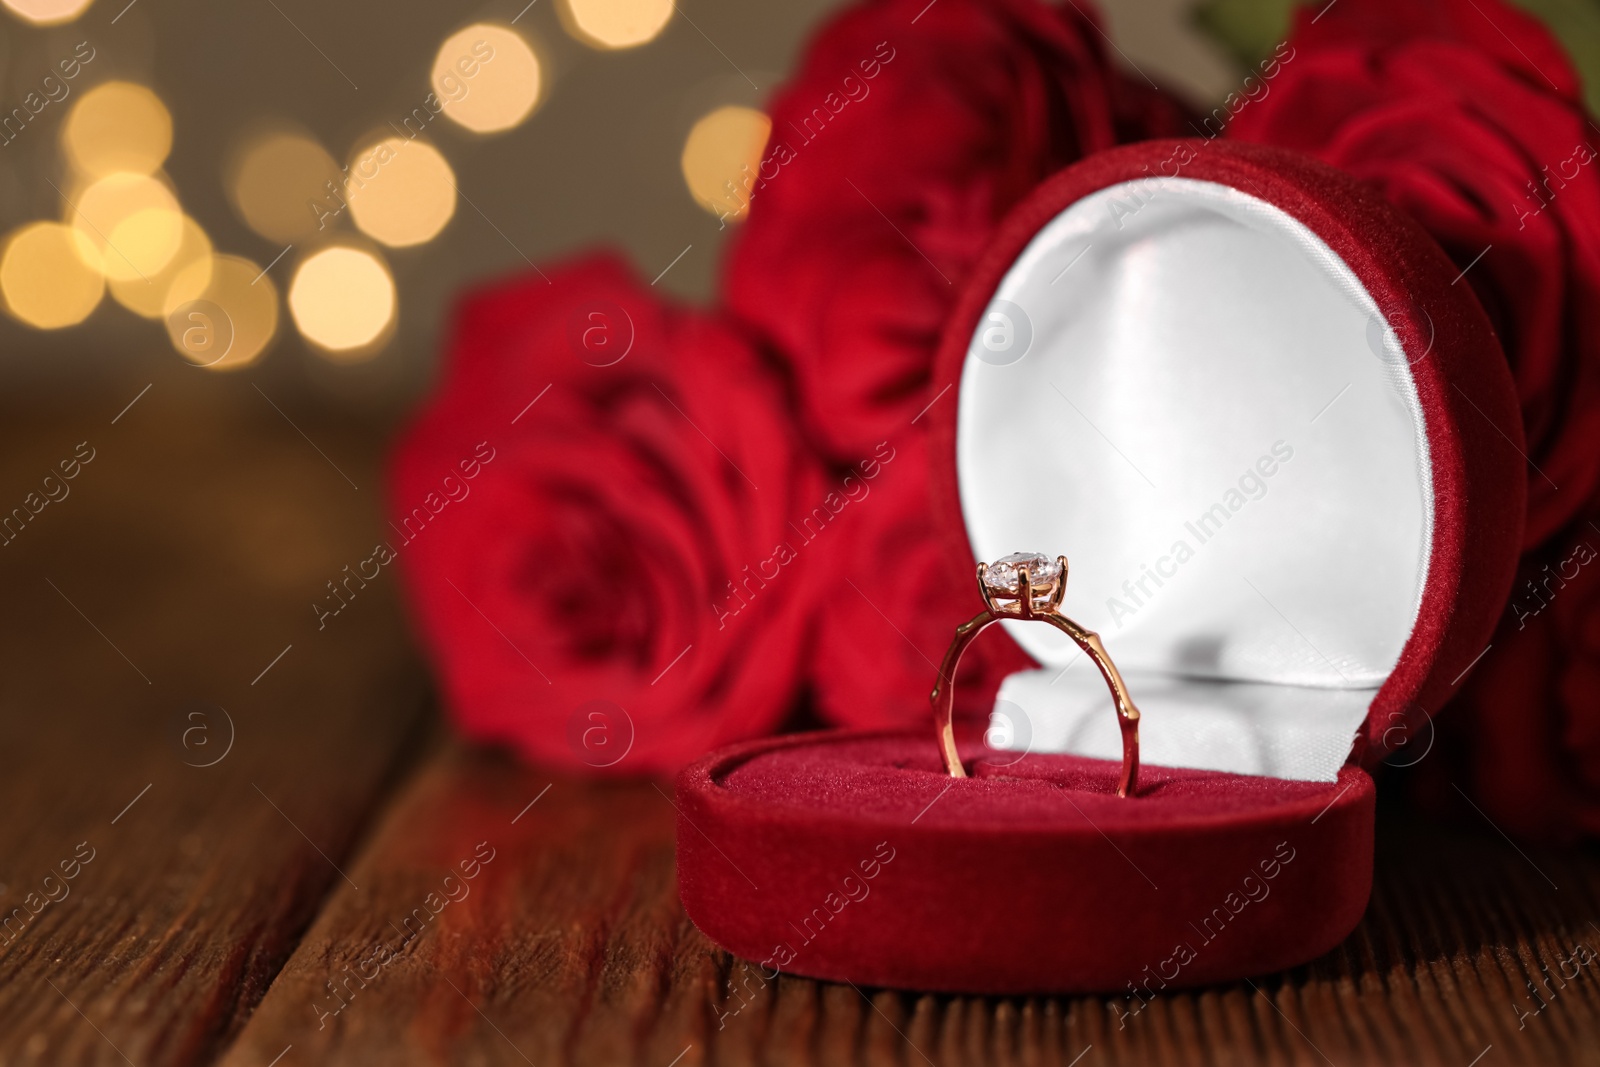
(1027, 585)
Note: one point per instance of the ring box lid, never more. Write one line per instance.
(1271, 429)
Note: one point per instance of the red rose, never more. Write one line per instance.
(1466, 114)
(908, 133)
(887, 625)
(574, 507)
(1523, 738)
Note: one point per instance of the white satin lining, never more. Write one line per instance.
(1215, 424)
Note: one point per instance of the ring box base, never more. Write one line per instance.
(852, 856)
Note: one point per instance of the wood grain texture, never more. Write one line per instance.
(176, 566)
(258, 911)
(570, 947)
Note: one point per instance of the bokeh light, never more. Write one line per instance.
(279, 185)
(342, 300)
(486, 77)
(233, 319)
(616, 23)
(48, 12)
(155, 296)
(117, 126)
(49, 277)
(725, 147)
(401, 192)
(132, 221)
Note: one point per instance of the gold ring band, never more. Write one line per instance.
(1010, 590)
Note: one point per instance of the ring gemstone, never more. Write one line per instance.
(1004, 573)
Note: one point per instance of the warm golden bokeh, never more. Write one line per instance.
(157, 295)
(342, 300)
(233, 319)
(616, 23)
(133, 222)
(47, 12)
(486, 77)
(724, 147)
(48, 275)
(279, 184)
(117, 126)
(401, 192)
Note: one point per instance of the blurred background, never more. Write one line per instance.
(295, 190)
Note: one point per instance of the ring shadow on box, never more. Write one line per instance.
(1279, 447)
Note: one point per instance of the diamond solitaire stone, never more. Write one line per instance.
(1003, 573)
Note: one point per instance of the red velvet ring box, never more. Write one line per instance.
(1273, 431)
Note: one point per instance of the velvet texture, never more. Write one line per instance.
(852, 856)
(1468, 116)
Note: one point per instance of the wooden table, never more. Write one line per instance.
(252, 808)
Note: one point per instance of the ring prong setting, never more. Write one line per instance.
(1023, 583)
